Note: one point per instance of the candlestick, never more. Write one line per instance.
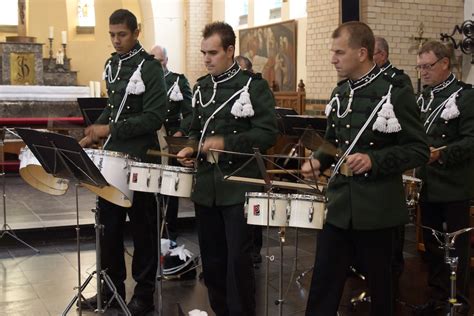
(66, 65)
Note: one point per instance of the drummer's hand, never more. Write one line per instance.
(359, 163)
(213, 142)
(178, 134)
(434, 155)
(86, 142)
(310, 169)
(97, 131)
(184, 157)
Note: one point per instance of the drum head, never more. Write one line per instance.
(111, 194)
(38, 178)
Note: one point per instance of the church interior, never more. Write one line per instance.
(52, 59)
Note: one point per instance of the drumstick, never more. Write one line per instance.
(152, 152)
(282, 171)
(437, 149)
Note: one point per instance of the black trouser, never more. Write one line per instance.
(335, 252)
(225, 243)
(456, 216)
(142, 217)
(257, 240)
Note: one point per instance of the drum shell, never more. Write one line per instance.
(258, 204)
(307, 211)
(145, 177)
(177, 181)
(114, 166)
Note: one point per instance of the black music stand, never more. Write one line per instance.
(63, 157)
(296, 124)
(91, 108)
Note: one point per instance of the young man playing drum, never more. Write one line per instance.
(135, 110)
(234, 110)
(373, 121)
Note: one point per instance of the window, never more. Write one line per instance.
(9, 16)
(85, 17)
(236, 12)
(297, 9)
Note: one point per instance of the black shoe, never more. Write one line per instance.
(432, 308)
(138, 307)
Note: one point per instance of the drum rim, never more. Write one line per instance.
(278, 196)
(306, 197)
(146, 164)
(177, 168)
(109, 153)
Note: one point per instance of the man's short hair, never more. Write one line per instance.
(382, 43)
(245, 60)
(360, 36)
(439, 49)
(123, 16)
(224, 30)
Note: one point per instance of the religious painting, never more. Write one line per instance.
(272, 51)
(22, 69)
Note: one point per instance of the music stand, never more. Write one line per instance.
(62, 156)
(91, 108)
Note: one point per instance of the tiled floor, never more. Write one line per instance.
(43, 284)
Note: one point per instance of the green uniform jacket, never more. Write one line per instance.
(135, 131)
(451, 178)
(389, 70)
(376, 199)
(241, 134)
(179, 115)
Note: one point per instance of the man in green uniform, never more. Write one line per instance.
(448, 179)
(177, 122)
(135, 110)
(373, 122)
(233, 111)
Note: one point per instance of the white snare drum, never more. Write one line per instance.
(307, 211)
(114, 166)
(412, 187)
(145, 177)
(257, 208)
(34, 174)
(177, 181)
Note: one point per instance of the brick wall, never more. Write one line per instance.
(198, 14)
(396, 20)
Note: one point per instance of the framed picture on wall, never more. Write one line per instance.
(272, 51)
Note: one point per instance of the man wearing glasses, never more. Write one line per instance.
(447, 112)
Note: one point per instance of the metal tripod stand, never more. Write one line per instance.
(446, 242)
(6, 229)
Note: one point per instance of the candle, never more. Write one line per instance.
(91, 89)
(97, 89)
(64, 37)
(51, 32)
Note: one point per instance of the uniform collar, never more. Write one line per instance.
(443, 85)
(167, 72)
(229, 73)
(386, 66)
(365, 79)
(134, 51)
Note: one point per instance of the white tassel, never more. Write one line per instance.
(387, 121)
(176, 94)
(181, 252)
(135, 84)
(451, 110)
(197, 312)
(243, 106)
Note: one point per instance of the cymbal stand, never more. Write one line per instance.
(446, 242)
(6, 229)
(101, 275)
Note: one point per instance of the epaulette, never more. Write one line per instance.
(397, 82)
(254, 75)
(202, 78)
(465, 85)
(147, 56)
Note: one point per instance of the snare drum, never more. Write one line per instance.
(114, 166)
(412, 187)
(257, 208)
(145, 177)
(34, 174)
(307, 211)
(177, 181)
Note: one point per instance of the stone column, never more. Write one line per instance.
(198, 14)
